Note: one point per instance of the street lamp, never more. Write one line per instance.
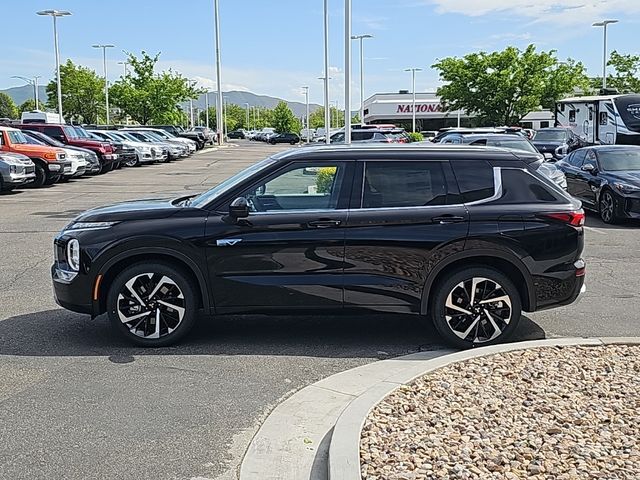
(206, 108)
(347, 72)
(306, 96)
(106, 81)
(247, 113)
(33, 82)
(361, 37)
(124, 64)
(413, 88)
(604, 25)
(55, 14)
(326, 78)
(216, 19)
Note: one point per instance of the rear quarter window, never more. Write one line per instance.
(475, 179)
(520, 186)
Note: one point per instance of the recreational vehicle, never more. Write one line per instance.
(602, 120)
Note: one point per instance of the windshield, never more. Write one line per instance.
(162, 134)
(550, 136)
(215, 192)
(619, 160)
(34, 141)
(155, 136)
(127, 136)
(17, 137)
(51, 141)
(82, 132)
(70, 132)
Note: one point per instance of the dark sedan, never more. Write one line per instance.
(607, 179)
(291, 138)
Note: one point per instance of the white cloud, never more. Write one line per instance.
(557, 11)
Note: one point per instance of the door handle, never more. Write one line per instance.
(444, 219)
(324, 223)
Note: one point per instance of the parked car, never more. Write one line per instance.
(68, 135)
(16, 170)
(173, 151)
(169, 137)
(50, 162)
(443, 133)
(606, 179)
(557, 142)
(93, 163)
(177, 131)
(368, 135)
(236, 134)
(291, 138)
(471, 237)
(126, 154)
(144, 153)
(209, 135)
(78, 162)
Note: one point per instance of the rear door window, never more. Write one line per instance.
(475, 179)
(403, 184)
(577, 158)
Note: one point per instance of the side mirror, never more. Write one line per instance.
(589, 167)
(548, 157)
(239, 208)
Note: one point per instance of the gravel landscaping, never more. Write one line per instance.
(543, 413)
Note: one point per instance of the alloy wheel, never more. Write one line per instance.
(151, 305)
(478, 310)
(606, 207)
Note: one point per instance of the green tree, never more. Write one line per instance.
(316, 118)
(501, 87)
(626, 78)
(82, 93)
(8, 108)
(148, 97)
(30, 105)
(284, 120)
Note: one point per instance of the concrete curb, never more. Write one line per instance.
(344, 451)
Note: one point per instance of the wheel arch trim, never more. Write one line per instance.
(469, 256)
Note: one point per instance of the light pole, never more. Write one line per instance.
(34, 83)
(216, 17)
(337, 113)
(247, 112)
(224, 126)
(106, 81)
(206, 108)
(361, 38)
(347, 72)
(604, 25)
(306, 100)
(55, 14)
(413, 88)
(124, 64)
(327, 109)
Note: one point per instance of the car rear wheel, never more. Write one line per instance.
(134, 162)
(152, 304)
(475, 307)
(607, 208)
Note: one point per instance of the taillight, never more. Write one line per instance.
(575, 219)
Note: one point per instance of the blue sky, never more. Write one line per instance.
(273, 47)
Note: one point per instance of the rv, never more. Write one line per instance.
(36, 116)
(605, 119)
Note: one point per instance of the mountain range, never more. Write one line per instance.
(25, 92)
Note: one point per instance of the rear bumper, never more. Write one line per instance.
(560, 288)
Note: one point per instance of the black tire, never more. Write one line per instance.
(119, 307)
(607, 208)
(41, 176)
(134, 162)
(482, 330)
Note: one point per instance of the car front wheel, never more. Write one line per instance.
(152, 304)
(607, 208)
(475, 307)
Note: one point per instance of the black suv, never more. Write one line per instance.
(470, 236)
(557, 142)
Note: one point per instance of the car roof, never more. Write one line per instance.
(4, 128)
(493, 136)
(407, 150)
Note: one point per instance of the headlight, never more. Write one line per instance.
(73, 254)
(626, 188)
(61, 156)
(145, 149)
(82, 226)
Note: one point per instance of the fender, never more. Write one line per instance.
(200, 277)
(468, 255)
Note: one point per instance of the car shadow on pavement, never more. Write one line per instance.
(63, 333)
(593, 220)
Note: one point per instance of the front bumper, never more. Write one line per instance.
(71, 294)
(19, 178)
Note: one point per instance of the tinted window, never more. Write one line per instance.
(475, 179)
(17, 137)
(403, 184)
(577, 158)
(590, 158)
(359, 136)
(617, 160)
(550, 136)
(520, 187)
(54, 132)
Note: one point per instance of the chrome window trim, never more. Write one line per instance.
(497, 188)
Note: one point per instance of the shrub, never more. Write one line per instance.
(324, 179)
(416, 137)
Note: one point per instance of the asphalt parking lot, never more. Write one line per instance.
(77, 402)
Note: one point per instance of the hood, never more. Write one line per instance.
(135, 210)
(86, 142)
(631, 177)
(35, 150)
(15, 157)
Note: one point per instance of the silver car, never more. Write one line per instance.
(174, 150)
(178, 147)
(15, 170)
